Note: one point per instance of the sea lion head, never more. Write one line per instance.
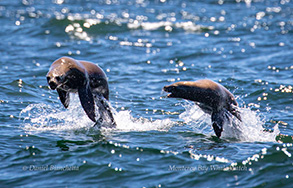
(172, 90)
(66, 73)
(178, 90)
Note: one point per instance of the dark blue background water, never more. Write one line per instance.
(143, 46)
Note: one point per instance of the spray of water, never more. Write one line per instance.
(44, 117)
(249, 130)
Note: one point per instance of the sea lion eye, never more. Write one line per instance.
(48, 78)
(58, 78)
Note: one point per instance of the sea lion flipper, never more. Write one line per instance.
(218, 119)
(104, 111)
(236, 113)
(87, 101)
(64, 97)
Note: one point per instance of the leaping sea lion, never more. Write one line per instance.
(68, 75)
(210, 96)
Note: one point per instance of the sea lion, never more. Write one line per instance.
(211, 97)
(68, 75)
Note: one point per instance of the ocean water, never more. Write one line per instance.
(143, 46)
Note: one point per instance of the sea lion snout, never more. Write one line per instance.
(53, 85)
(173, 90)
(53, 81)
(168, 88)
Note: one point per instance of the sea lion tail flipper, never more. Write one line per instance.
(64, 97)
(87, 101)
(218, 119)
(105, 112)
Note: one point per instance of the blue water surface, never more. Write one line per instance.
(142, 46)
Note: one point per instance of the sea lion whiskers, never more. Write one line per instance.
(63, 85)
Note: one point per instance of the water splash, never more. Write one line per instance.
(249, 130)
(45, 117)
(128, 123)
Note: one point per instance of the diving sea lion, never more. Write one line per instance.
(210, 96)
(68, 75)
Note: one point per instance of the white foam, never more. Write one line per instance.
(54, 117)
(196, 118)
(45, 117)
(249, 130)
(125, 122)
